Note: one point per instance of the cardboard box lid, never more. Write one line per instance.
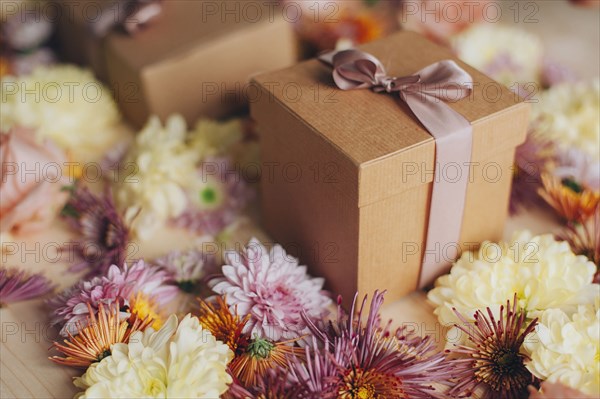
(377, 130)
(185, 25)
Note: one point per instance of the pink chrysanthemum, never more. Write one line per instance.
(18, 285)
(216, 200)
(361, 358)
(273, 289)
(103, 233)
(188, 268)
(119, 284)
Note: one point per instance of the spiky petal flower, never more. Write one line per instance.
(273, 289)
(254, 357)
(361, 358)
(261, 357)
(124, 283)
(216, 198)
(186, 267)
(18, 285)
(224, 324)
(570, 200)
(104, 235)
(93, 343)
(274, 385)
(532, 158)
(494, 358)
(584, 240)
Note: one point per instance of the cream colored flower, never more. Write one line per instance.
(566, 348)
(213, 138)
(543, 272)
(569, 114)
(155, 173)
(182, 361)
(66, 104)
(506, 54)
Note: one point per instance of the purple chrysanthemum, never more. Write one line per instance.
(18, 285)
(275, 384)
(362, 358)
(119, 284)
(494, 360)
(188, 268)
(103, 234)
(217, 200)
(273, 289)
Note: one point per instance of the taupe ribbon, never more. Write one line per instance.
(425, 93)
(132, 15)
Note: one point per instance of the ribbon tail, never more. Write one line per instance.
(453, 143)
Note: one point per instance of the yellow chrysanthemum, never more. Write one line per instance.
(543, 272)
(66, 104)
(566, 348)
(569, 114)
(177, 361)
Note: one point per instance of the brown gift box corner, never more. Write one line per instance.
(195, 59)
(350, 172)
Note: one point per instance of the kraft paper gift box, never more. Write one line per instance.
(195, 58)
(348, 175)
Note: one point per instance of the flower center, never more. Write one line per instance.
(260, 348)
(572, 185)
(208, 195)
(143, 307)
(154, 387)
(506, 361)
(366, 392)
(104, 354)
(359, 384)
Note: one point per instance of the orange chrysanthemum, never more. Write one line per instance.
(570, 200)
(92, 343)
(253, 357)
(224, 325)
(262, 355)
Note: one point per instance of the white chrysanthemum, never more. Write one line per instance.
(182, 361)
(506, 54)
(569, 114)
(213, 138)
(566, 349)
(155, 174)
(66, 104)
(543, 272)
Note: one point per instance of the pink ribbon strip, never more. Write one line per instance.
(422, 92)
(132, 15)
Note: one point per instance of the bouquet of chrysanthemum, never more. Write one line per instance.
(265, 334)
(559, 165)
(174, 176)
(529, 312)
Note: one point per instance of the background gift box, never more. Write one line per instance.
(351, 172)
(194, 57)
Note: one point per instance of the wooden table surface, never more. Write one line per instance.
(572, 37)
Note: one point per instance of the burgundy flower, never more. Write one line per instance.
(493, 359)
(18, 285)
(360, 357)
(103, 233)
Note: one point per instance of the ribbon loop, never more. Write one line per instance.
(422, 92)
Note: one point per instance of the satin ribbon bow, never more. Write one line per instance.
(132, 15)
(425, 93)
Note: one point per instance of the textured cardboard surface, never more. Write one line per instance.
(365, 164)
(195, 59)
